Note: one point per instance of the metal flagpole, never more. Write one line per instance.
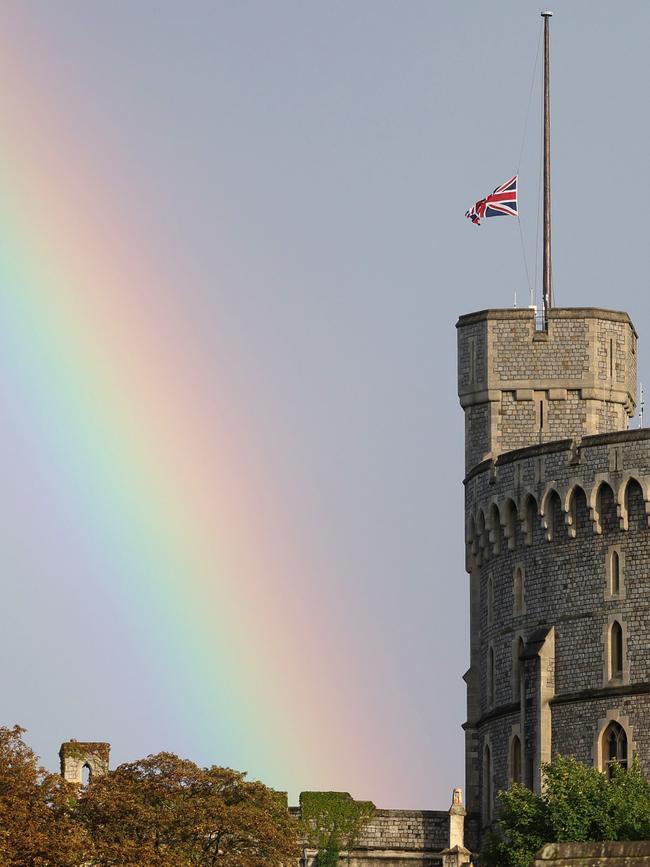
(547, 290)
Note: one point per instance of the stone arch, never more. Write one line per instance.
(575, 495)
(509, 522)
(481, 536)
(515, 756)
(487, 801)
(616, 660)
(471, 545)
(491, 676)
(518, 645)
(598, 753)
(77, 755)
(530, 513)
(631, 482)
(548, 507)
(494, 527)
(601, 489)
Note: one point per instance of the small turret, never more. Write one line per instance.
(520, 386)
(79, 755)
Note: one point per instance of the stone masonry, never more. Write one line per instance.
(77, 756)
(557, 497)
(399, 838)
(391, 838)
(520, 386)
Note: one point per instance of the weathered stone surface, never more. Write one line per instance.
(594, 855)
(519, 386)
(556, 486)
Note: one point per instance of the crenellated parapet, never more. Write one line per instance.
(507, 497)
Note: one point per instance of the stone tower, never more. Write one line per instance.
(76, 756)
(557, 499)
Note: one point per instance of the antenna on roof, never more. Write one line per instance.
(641, 406)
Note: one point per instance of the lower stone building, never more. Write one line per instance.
(390, 838)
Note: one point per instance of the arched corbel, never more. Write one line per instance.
(494, 527)
(594, 509)
(621, 504)
(529, 514)
(570, 513)
(482, 537)
(544, 510)
(508, 513)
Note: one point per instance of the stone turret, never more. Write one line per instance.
(520, 386)
(557, 526)
(77, 755)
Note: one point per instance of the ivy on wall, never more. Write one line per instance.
(333, 821)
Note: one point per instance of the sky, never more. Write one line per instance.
(232, 254)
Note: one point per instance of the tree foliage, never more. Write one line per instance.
(161, 811)
(167, 812)
(579, 804)
(37, 811)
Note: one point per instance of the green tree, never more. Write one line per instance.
(579, 804)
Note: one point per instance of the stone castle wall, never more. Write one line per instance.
(520, 386)
(594, 855)
(553, 514)
(399, 838)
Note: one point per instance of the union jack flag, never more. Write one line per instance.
(501, 202)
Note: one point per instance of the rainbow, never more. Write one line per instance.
(153, 461)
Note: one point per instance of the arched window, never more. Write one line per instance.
(573, 511)
(553, 516)
(86, 775)
(495, 529)
(616, 651)
(531, 517)
(518, 591)
(490, 677)
(519, 671)
(490, 601)
(614, 747)
(515, 760)
(615, 573)
(511, 524)
(487, 785)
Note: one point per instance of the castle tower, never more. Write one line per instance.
(557, 505)
(520, 386)
(77, 756)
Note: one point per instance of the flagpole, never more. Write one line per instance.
(547, 289)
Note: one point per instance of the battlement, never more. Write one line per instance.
(520, 386)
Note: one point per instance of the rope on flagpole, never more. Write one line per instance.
(523, 251)
(531, 287)
(530, 99)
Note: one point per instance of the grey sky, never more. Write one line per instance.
(302, 173)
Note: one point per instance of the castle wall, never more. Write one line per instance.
(398, 838)
(556, 513)
(619, 854)
(520, 386)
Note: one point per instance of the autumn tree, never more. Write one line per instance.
(163, 811)
(37, 823)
